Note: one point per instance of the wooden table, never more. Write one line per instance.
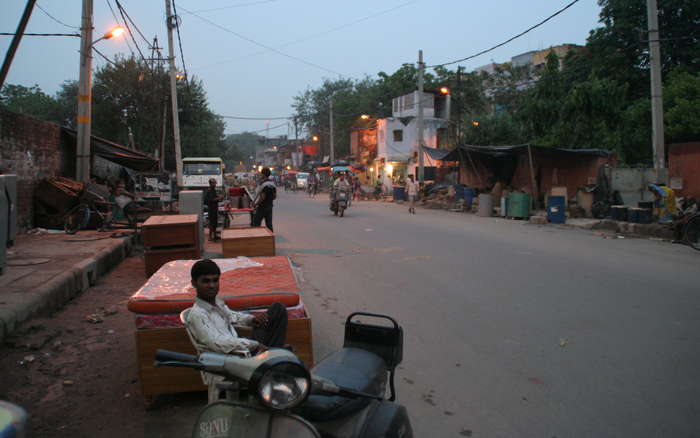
(249, 242)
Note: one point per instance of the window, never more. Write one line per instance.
(398, 135)
(202, 169)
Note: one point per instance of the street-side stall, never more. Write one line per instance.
(246, 285)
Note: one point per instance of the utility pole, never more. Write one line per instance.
(657, 104)
(15, 40)
(332, 140)
(460, 99)
(84, 119)
(171, 22)
(419, 122)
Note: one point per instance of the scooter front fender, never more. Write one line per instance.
(234, 420)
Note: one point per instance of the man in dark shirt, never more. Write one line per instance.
(264, 195)
(211, 200)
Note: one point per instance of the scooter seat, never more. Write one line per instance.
(351, 368)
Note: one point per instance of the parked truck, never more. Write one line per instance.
(197, 171)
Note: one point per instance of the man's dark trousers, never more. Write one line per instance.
(263, 213)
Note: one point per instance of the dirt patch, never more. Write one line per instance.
(75, 377)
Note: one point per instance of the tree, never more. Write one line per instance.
(682, 107)
(30, 101)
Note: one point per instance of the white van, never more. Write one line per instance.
(302, 180)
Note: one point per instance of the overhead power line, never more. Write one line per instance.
(54, 18)
(126, 40)
(104, 57)
(255, 118)
(235, 6)
(122, 12)
(179, 41)
(252, 41)
(510, 39)
(318, 34)
(42, 34)
(267, 129)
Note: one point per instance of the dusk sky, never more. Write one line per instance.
(312, 39)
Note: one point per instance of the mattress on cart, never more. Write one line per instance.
(172, 320)
(245, 283)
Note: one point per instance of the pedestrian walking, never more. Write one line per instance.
(211, 200)
(412, 192)
(265, 194)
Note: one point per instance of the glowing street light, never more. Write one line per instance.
(444, 90)
(314, 138)
(365, 117)
(475, 123)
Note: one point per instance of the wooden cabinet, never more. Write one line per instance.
(249, 242)
(167, 238)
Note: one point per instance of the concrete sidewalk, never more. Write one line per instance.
(45, 271)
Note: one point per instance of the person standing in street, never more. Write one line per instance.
(412, 192)
(211, 200)
(265, 194)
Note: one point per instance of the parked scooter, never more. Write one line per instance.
(273, 395)
(339, 202)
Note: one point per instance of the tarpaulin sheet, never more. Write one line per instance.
(117, 153)
(505, 151)
(245, 283)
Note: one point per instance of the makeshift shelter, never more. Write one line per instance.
(525, 166)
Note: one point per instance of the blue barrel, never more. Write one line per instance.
(469, 197)
(556, 209)
(399, 193)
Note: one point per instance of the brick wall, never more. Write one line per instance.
(684, 163)
(33, 149)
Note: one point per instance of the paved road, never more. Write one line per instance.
(510, 329)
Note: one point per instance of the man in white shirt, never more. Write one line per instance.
(412, 192)
(210, 322)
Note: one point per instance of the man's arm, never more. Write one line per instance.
(215, 338)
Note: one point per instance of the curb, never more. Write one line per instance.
(55, 293)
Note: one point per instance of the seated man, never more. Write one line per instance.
(210, 322)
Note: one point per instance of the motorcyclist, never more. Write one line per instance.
(340, 184)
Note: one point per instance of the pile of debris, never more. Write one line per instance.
(53, 198)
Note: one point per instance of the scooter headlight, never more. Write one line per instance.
(281, 385)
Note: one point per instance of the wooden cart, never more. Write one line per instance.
(271, 279)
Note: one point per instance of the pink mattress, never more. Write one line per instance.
(172, 320)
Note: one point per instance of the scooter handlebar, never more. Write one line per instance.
(168, 356)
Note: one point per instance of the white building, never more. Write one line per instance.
(397, 136)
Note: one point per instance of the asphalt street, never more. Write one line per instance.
(511, 329)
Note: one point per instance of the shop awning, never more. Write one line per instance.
(505, 151)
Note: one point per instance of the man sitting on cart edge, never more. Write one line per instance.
(211, 323)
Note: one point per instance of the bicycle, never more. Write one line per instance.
(691, 232)
(92, 212)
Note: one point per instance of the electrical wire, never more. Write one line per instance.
(126, 40)
(104, 57)
(128, 29)
(235, 6)
(133, 23)
(252, 41)
(179, 41)
(54, 18)
(315, 35)
(254, 118)
(42, 34)
(510, 39)
(267, 129)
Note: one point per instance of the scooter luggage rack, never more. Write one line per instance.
(384, 341)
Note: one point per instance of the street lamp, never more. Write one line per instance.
(314, 138)
(365, 117)
(444, 90)
(84, 117)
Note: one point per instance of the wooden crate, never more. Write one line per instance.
(166, 380)
(172, 230)
(249, 242)
(156, 257)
